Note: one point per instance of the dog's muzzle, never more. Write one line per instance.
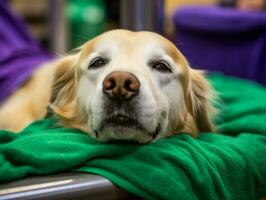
(120, 88)
(121, 117)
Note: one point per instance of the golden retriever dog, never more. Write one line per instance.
(121, 85)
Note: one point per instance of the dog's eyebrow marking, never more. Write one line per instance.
(162, 57)
(94, 55)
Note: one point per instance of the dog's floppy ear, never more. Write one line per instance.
(199, 95)
(62, 100)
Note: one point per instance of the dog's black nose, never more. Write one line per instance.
(121, 85)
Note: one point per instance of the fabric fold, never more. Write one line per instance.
(229, 165)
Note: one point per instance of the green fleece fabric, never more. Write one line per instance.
(231, 165)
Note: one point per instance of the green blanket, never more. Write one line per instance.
(231, 165)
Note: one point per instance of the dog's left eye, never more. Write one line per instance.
(96, 63)
(161, 66)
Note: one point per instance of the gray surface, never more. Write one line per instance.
(139, 15)
(63, 186)
(58, 27)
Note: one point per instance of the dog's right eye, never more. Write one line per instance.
(161, 66)
(96, 63)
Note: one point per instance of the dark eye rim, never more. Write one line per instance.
(93, 63)
(166, 69)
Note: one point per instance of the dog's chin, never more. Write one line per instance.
(134, 132)
(111, 134)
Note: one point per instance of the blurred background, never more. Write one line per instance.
(217, 35)
(65, 24)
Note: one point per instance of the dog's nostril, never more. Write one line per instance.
(127, 85)
(132, 85)
(109, 84)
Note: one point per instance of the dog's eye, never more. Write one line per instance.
(161, 66)
(96, 63)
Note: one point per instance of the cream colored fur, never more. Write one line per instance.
(177, 102)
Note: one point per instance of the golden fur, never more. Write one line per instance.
(56, 84)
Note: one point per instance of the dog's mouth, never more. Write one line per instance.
(122, 120)
(123, 123)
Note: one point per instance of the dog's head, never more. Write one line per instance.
(126, 85)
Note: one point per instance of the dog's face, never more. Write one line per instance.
(126, 85)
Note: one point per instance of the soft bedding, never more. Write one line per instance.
(227, 165)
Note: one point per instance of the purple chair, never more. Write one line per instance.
(223, 39)
(20, 53)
